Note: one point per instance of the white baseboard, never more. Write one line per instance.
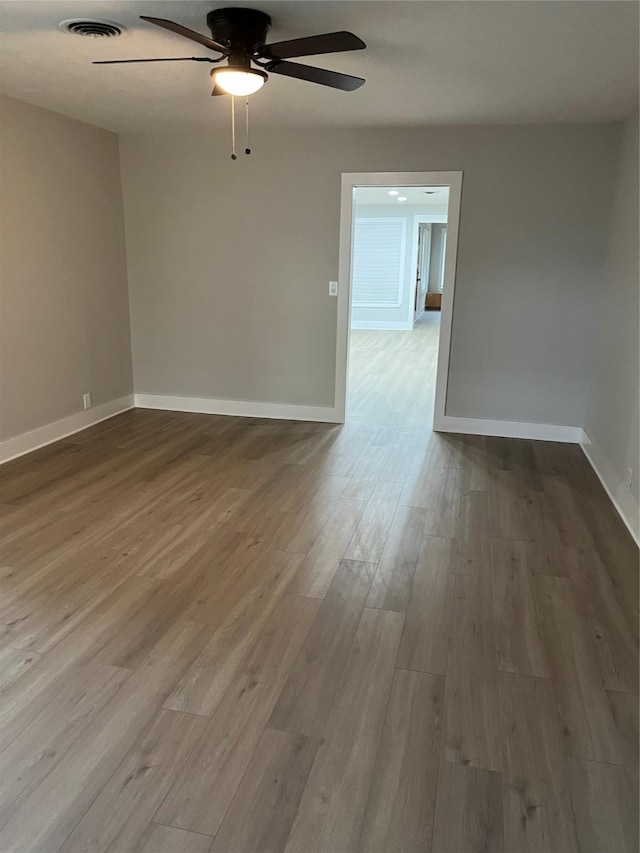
(382, 326)
(620, 496)
(237, 408)
(11, 448)
(509, 429)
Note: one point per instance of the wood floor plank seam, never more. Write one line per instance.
(384, 717)
(311, 830)
(270, 824)
(81, 817)
(136, 771)
(157, 822)
(407, 789)
(198, 805)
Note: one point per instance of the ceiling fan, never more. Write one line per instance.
(239, 35)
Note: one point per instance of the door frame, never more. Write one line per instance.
(350, 181)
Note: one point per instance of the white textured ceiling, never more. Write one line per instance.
(427, 63)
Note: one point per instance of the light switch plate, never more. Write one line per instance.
(333, 288)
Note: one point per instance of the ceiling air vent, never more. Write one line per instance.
(91, 27)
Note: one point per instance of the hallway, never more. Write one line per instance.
(392, 375)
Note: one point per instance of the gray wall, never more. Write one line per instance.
(229, 261)
(64, 306)
(612, 416)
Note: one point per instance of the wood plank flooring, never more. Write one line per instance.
(249, 636)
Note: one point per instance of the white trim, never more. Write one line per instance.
(11, 448)
(237, 408)
(622, 499)
(350, 181)
(382, 325)
(511, 429)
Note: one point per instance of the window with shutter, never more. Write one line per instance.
(378, 262)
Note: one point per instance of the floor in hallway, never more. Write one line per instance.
(240, 636)
(392, 375)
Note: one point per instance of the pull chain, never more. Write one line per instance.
(233, 128)
(247, 150)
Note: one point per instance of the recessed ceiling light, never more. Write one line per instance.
(402, 198)
(394, 192)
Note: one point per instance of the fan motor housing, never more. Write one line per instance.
(240, 28)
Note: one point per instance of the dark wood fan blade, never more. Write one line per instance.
(313, 45)
(316, 75)
(164, 59)
(187, 33)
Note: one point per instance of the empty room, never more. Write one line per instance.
(319, 426)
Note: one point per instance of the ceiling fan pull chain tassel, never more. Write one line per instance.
(247, 150)
(233, 128)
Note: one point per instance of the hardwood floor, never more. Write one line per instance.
(249, 636)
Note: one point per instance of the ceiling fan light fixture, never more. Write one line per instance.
(239, 36)
(238, 81)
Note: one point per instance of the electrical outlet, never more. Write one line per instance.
(86, 401)
(333, 288)
(629, 480)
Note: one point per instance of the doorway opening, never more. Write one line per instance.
(397, 275)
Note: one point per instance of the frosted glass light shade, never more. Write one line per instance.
(238, 81)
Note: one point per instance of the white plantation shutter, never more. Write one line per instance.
(378, 262)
